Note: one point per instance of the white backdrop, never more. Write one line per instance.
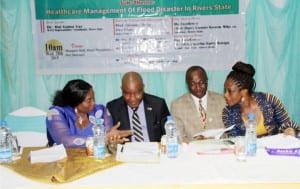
(144, 39)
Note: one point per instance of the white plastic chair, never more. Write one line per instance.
(28, 124)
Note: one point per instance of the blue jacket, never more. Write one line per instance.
(61, 128)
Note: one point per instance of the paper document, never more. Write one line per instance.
(147, 152)
(215, 133)
(211, 147)
(48, 154)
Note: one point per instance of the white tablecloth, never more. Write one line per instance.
(188, 169)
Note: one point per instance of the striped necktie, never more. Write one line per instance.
(202, 112)
(137, 127)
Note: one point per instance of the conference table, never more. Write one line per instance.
(199, 165)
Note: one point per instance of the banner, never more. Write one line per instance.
(75, 36)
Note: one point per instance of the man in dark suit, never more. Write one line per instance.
(151, 110)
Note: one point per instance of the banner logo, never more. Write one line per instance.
(54, 49)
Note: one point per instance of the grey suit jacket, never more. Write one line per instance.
(188, 119)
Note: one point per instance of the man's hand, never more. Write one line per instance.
(201, 137)
(115, 136)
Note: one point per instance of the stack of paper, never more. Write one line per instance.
(138, 152)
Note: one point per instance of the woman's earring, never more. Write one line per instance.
(80, 120)
(242, 99)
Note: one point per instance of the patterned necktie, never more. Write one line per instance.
(137, 128)
(202, 112)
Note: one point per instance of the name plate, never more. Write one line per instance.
(284, 151)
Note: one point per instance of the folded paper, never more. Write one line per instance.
(54, 153)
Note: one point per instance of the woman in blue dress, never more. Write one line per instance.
(71, 117)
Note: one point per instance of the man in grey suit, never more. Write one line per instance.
(199, 109)
(152, 110)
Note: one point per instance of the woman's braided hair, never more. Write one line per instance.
(242, 75)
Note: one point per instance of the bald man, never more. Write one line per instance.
(152, 110)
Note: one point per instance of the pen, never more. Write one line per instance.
(122, 148)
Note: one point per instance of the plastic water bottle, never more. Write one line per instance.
(5, 144)
(172, 140)
(251, 138)
(99, 133)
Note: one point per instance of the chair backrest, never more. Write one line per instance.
(29, 125)
(27, 119)
(31, 138)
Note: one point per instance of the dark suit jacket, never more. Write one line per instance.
(156, 112)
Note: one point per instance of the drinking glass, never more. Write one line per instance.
(240, 149)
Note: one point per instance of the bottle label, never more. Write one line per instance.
(5, 154)
(99, 151)
(251, 148)
(89, 144)
(172, 150)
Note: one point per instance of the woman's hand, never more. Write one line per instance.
(115, 136)
(290, 131)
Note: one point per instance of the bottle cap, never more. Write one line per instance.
(99, 120)
(251, 116)
(169, 117)
(4, 123)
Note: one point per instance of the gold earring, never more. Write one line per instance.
(242, 99)
(80, 120)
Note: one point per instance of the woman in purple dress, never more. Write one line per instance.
(70, 120)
